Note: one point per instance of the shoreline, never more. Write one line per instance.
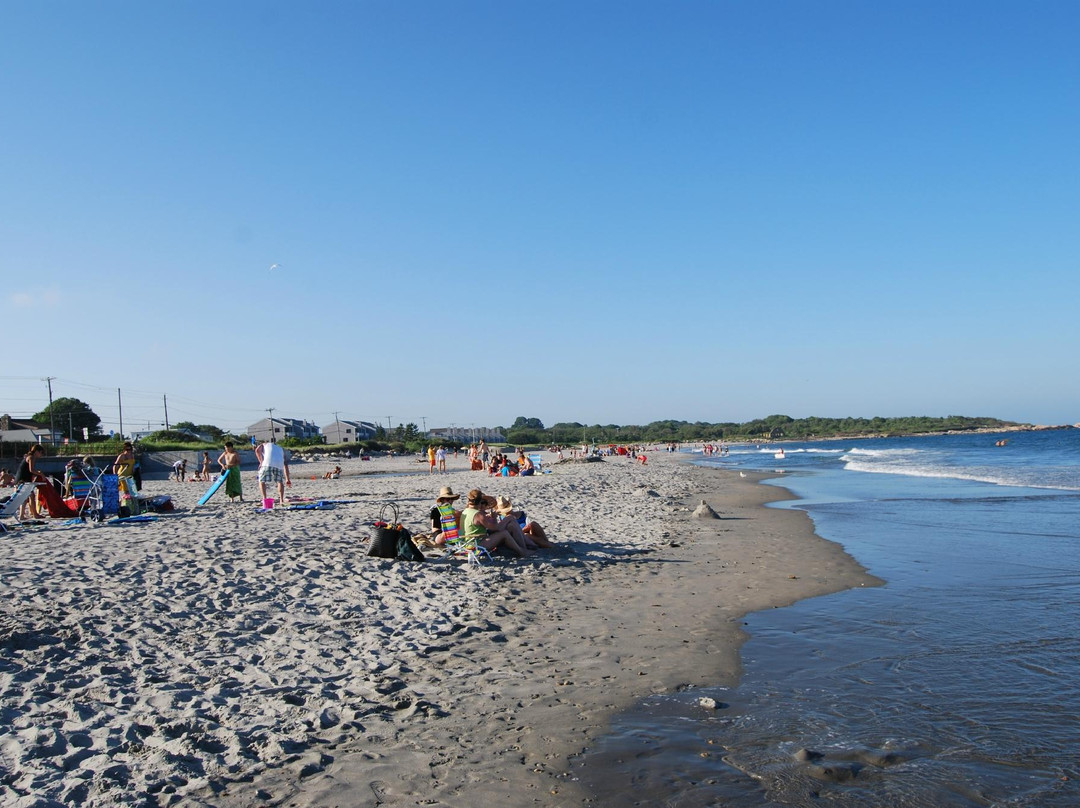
(641, 630)
(219, 657)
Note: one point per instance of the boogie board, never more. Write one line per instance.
(131, 520)
(220, 481)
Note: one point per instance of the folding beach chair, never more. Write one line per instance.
(11, 508)
(87, 495)
(537, 460)
(129, 496)
(468, 549)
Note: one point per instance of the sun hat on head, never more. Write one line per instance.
(476, 495)
(446, 492)
(502, 505)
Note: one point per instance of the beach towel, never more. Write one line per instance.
(233, 486)
(54, 503)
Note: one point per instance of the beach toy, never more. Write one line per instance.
(268, 503)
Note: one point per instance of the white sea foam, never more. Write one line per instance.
(1015, 477)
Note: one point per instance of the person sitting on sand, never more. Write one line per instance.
(72, 471)
(445, 519)
(534, 535)
(333, 475)
(7, 479)
(479, 525)
(525, 465)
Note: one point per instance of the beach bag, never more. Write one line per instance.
(406, 549)
(391, 539)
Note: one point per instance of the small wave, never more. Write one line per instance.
(859, 452)
(980, 475)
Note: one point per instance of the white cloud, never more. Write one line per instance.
(48, 297)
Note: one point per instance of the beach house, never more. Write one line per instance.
(466, 434)
(279, 428)
(26, 430)
(342, 431)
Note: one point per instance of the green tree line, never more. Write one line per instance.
(532, 432)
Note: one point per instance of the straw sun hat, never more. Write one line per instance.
(502, 505)
(446, 492)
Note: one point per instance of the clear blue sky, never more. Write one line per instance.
(606, 212)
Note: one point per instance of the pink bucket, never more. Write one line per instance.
(268, 503)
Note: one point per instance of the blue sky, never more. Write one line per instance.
(605, 212)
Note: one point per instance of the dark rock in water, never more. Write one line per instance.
(806, 755)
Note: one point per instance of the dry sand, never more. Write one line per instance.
(223, 657)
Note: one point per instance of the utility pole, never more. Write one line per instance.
(337, 427)
(120, 407)
(271, 411)
(52, 417)
(166, 400)
(388, 427)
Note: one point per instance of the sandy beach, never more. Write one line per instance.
(219, 656)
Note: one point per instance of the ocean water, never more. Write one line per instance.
(955, 684)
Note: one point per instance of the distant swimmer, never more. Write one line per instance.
(1002, 442)
(779, 455)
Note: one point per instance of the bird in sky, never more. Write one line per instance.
(274, 266)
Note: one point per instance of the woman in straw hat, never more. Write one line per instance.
(487, 530)
(532, 533)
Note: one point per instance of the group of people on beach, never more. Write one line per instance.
(490, 522)
(436, 459)
(501, 465)
(201, 475)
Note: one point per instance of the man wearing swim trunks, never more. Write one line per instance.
(273, 468)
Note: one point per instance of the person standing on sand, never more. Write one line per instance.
(273, 468)
(431, 459)
(124, 465)
(440, 458)
(27, 473)
(204, 472)
(230, 468)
